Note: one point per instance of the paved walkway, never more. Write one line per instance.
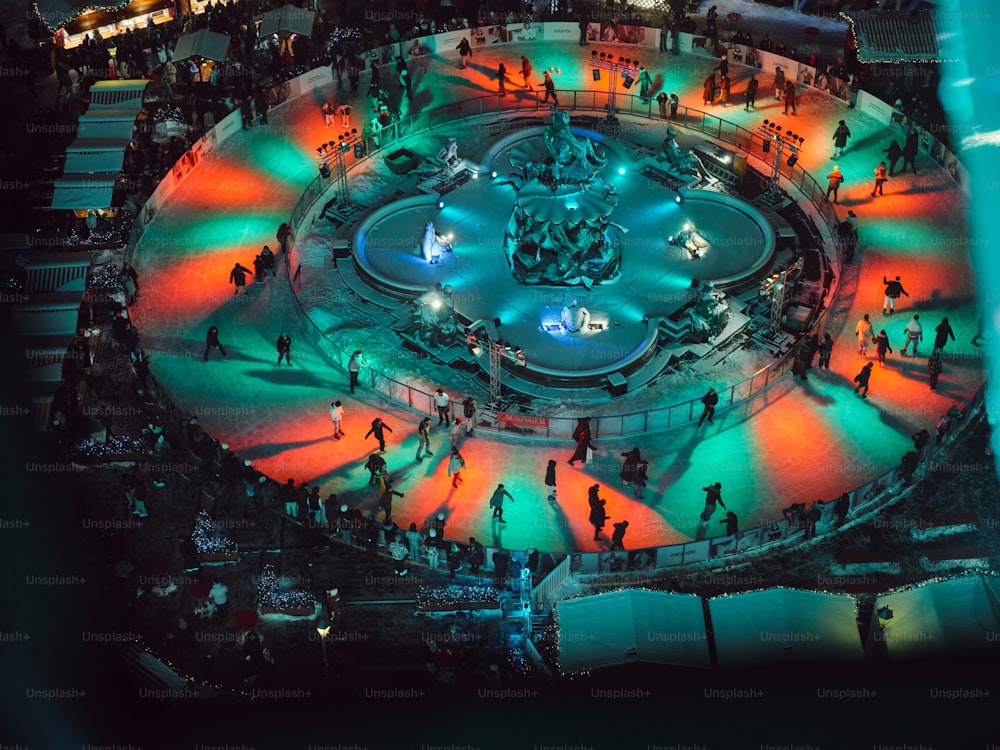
(794, 443)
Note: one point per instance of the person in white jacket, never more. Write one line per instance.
(914, 335)
(337, 415)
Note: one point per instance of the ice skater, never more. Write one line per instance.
(942, 333)
(893, 289)
(424, 438)
(882, 346)
(550, 476)
(713, 496)
(496, 502)
(456, 464)
(863, 330)
(526, 73)
(840, 136)
(378, 430)
(914, 335)
(284, 349)
(862, 379)
(710, 400)
(212, 341)
(337, 417)
(597, 518)
(238, 276)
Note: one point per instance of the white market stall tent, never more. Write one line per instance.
(286, 21)
(942, 618)
(778, 625)
(632, 626)
(204, 44)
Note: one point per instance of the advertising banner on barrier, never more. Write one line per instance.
(230, 124)
(563, 31)
(669, 556)
(314, 79)
(519, 420)
(872, 106)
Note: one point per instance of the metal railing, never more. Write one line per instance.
(709, 124)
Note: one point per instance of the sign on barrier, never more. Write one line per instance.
(667, 557)
(696, 551)
(520, 420)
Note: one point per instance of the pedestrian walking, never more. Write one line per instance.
(337, 417)
(526, 73)
(633, 460)
(456, 464)
(881, 177)
(502, 80)
(238, 276)
(354, 367)
(550, 88)
(910, 151)
(441, 400)
(639, 480)
(212, 341)
(378, 429)
(835, 178)
(862, 379)
(550, 475)
(713, 496)
(584, 448)
(893, 289)
(284, 346)
(708, 88)
(790, 96)
(840, 136)
(465, 50)
(825, 350)
(710, 401)
(496, 502)
(469, 412)
(942, 333)
(882, 346)
(597, 518)
(423, 438)
(724, 88)
(751, 93)
(618, 535)
(800, 363)
(894, 153)
(779, 83)
(914, 335)
(934, 369)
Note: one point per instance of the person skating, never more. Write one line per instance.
(825, 350)
(238, 276)
(469, 412)
(942, 333)
(934, 369)
(465, 50)
(496, 502)
(354, 367)
(618, 535)
(779, 84)
(661, 100)
(598, 516)
(840, 136)
(708, 88)
(675, 102)
(423, 438)
(267, 258)
(456, 464)
(710, 401)
(502, 80)
(893, 289)
(457, 433)
(863, 378)
(893, 154)
(639, 481)
(633, 460)
(376, 467)
(751, 93)
(645, 83)
(550, 475)
(732, 523)
(550, 88)
(881, 177)
(835, 179)
(584, 448)
(882, 346)
(526, 73)
(441, 401)
(914, 335)
(284, 349)
(212, 341)
(863, 330)
(790, 97)
(713, 496)
(910, 151)
(337, 417)
(385, 499)
(378, 430)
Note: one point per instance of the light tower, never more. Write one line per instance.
(628, 69)
(778, 141)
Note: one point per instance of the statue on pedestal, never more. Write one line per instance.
(710, 313)
(681, 162)
(433, 244)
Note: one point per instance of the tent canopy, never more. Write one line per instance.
(630, 626)
(119, 94)
(112, 130)
(780, 625)
(203, 43)
(94, 161)
(960, 615)
(287, 20)
(81, 194)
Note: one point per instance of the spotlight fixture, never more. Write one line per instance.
(792, 159)
(621, 170)
(493, 174)
(597, 74)
(440, 204)
(767, 146)
(593, 53)
(679, 198)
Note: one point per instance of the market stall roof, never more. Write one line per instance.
(784, 625)
(81, 162)
(103, 114)
(891, 37)
(81, 192)
(630, 626)
(91, 17)
(121, 94)
(203, 43)
(288, 19)
(950, 617)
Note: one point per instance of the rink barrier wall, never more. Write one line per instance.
(865, 499)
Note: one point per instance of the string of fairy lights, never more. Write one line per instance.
(270, 595)
(208, 536)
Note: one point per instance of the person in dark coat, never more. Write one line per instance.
(550, 475)
(550, 88)
(593, 495)
(477, 555)
(790, 97)
(708, 93)
(618, 535)
(882, 346)
(862, 379)
(597, 518)
(465, 50)
(841, 508)
(825, 349)
(840, 136)
(934, 369)
(238, 276)
(893, 154)
(732, 523)
(881, 175)
(942, 333)
(258, 270)
(751, 93)
(893, 289)
(713, 496)
(502, 79)
(710, 400)
(800, 364)
(496, 502)
(378, 430)
(910, 151)
(633, 459)
(261, 105)
(385, 499)
(212, 340)
(501, 565)
(812, 346)
(284, 349)
(582, 435)
(639, 481)
(267, 260)
(375, 465)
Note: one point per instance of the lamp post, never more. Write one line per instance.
(323, 628)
